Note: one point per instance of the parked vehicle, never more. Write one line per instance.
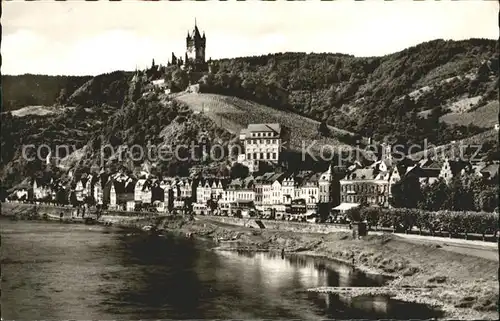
(313, 218)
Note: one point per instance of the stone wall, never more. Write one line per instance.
(282, 225)
(13, 208)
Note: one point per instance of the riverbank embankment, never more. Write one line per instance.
(462, 285)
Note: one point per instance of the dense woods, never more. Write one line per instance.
(33, 90)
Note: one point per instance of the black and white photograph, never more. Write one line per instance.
(249, 160)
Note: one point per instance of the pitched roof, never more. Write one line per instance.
(362, 173)
(434, 164)
(491, 170)
(426, 172)
(264, 128)
(118, 185)
(457, 166)
(195, 33)
(224, 182)
(311, 179)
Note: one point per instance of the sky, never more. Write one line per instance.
(88, 38)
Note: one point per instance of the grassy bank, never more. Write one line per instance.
(464, 287)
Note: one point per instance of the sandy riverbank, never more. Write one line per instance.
(463, 286)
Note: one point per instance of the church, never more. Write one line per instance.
(194, 57)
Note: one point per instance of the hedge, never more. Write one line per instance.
(450, 221)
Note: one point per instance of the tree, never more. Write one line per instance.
(212, 204)
(406, 192)
(460, 196)
(488, 199)
(239, 171)
(354, 214)
(180, 79)
(170, 204)
(323, 129)
(63, 95)
(434, 196)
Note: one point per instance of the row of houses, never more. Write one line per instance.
(372, 185)
(280, 193)
(270, 192)
(116, 192)
(301, 193)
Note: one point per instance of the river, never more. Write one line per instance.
(72, 271)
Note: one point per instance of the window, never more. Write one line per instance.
(249, 156)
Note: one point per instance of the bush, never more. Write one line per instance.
(450, 221)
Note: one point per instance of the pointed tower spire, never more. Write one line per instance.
(195, 21)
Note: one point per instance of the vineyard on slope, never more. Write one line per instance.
(235, 114)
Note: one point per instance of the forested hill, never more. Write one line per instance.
(400, 97)
(438, 90)
(37, 90)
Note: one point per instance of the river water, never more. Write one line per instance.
(71, 271)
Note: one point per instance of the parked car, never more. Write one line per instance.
(313, 218)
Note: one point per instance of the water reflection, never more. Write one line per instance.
(371, 307)
(69, 271)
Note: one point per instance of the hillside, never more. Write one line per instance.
(35, 90)
(484, 116)
(485, 144)
(380, 97)
(234, 114)
(442, 91)
(69, 128)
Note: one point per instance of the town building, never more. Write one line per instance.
(239, 195)
(263, 143)
(488, 171)
(143, 191)
(365, 186)
(41, 190)
(453, 168)
(208, 190)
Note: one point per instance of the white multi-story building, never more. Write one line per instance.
(263, 143)
(209, 189)
(142, 191)
(276, 193)
(88, 186)
(98, 192)
(79, 191)
(325, 186)
(40, 190)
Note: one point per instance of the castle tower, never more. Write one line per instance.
(195, 50)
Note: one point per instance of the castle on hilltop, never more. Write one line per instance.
(194, 57)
